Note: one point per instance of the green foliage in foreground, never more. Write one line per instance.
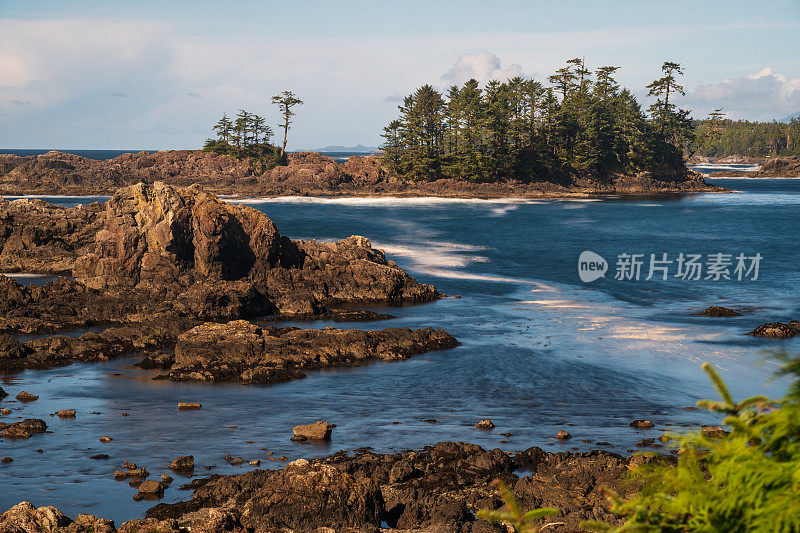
(510, 513)
(747, 481)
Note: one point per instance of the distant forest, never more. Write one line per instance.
(722, 138)
(582, 124)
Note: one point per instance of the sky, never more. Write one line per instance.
(116, 74)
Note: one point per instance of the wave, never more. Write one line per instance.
(382, 201)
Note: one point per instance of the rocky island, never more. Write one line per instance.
(305, 174)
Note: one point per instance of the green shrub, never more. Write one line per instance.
(748, 480)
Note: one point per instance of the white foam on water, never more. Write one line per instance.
(25, 275)
(384, 201)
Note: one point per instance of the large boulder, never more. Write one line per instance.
(155, 234)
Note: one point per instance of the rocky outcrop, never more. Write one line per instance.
(437, 489)
(777, 330)
(307, 173)
(780, 167)
(36, 236)
(158, 251)
(27, 518)
(227, 261)
(23, 429)
(246, 352)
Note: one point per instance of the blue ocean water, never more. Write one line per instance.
(541, 350)
(111, 154)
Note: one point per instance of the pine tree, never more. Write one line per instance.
(285, 102)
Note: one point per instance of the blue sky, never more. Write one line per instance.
(113, 74)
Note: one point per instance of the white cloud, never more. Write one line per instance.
(483, 67)
(765, 95)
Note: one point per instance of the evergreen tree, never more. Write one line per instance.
(285, 102)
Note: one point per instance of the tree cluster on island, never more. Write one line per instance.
(249, 136)
(580, 125)
(720, 137)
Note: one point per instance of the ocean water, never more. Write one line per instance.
(111, 154)
(541, 350)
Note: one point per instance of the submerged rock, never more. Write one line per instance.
(66, 413)
(717, 311)
(777, 330)
(485, 424)
(641, 424)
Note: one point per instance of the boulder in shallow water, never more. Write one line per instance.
(182, 463)
(777, 330)
(718, 311)
(26, 397)
(3, 393)
(66, 413)
(641, 424)
(151, 486)
(319, 430)
(485, 424)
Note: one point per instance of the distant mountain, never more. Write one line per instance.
(788, 119)
(360, 148)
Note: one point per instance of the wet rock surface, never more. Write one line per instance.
(436, 489)
(243, 351)
(718, 311)
(23, 429)
(777, 330)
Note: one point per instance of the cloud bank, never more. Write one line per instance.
(484, 67)
(765, 95)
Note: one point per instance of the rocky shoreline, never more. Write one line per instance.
(155, 261)
(436, 489)
(307, 174)
(774, 167)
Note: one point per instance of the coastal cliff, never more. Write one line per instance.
(306, 174)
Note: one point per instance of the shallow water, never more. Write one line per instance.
(541, 351)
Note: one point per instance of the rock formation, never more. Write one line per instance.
(307, 173)
(246, 352)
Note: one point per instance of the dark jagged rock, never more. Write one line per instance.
(23, 429)
(3, 393)
(36, 236)
(161, 259)
(229, 261)
(777, 330)
(437, 489)
(11, 348)
(780, 167)
(718, 311)
(243, 351)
